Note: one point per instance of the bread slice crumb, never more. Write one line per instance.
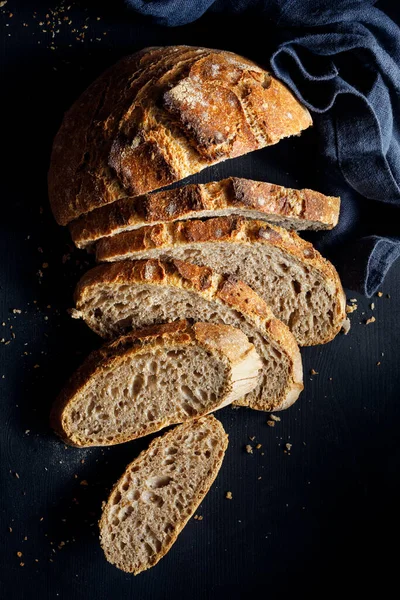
(313, 372)
(249, 449)
(379, 294)
(350, 308)
(370, 320)
(274, 418)
(271, 423)
(228, 495)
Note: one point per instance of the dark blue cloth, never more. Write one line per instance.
(342, 60)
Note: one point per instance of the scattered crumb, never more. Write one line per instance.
(271, 423)
(45, 265)
(36, 366)
(353, 299)
(16, 475)
(17, 311)
(252, 437)
(198, 517)
(259, 478)
(258, 446)
(83, 482)
(372, 305)
(313, 372)
(19, 554)
(370, 320)
(10, 529)
(346, 326)
(228, 495)
(275, 418)
(288, 447)
(3, 3)
(249, 449)
(351, 308)
(21, 564)
(378, 364)
(379, 294)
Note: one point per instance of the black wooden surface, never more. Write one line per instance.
(314, 522)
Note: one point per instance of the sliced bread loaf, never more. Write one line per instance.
(293, 209)
(117, 297)
(160, 115)
(159, 492)
(149, 379)
(302, 288)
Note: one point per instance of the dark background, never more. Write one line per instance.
(322, 519)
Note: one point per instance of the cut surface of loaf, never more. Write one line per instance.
(301, 287)
(293, 209)
(153, 378)
(159, 492)
(117, 297)
(160, 115)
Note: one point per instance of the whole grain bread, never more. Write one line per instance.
(114, 298)
(160, 115)
(301, 287)
(159, 492)
(153, 378)
(293, 209)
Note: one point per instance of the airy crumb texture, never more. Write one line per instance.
(153, 378)
(115, 297)
(301, 287)
(159, 492)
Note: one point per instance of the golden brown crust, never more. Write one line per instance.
(212, 286)
(159, 116)
(294, 209)
(164, 441)
(225, 341)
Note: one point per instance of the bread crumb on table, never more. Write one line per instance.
(313, 372)
(258, 446)
(198, 517)
(271, 423)
(370, 320)
(351, 308)
(379, 294)
(228, 495)
(274, 418)
(249, 449)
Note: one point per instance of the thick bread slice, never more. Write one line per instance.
(159, 492)
(153, 378)
(293, 209)
(301, 287)
(113, 298)
(161, 115)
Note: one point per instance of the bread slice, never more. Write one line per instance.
(293, 209)
(115, 297)
(159, 492)
(161, 115)
(153, 378)
(302, 288)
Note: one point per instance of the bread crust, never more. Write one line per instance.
(160, 115)
(295, 209)
(226, 342)
(212, 286)
(155, 445)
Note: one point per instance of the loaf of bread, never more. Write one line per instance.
(293, 209)
(159, 492)
(301, 287)
(160, 115)
(153, 378)
(117, 297)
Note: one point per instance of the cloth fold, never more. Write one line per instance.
(342, 60)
